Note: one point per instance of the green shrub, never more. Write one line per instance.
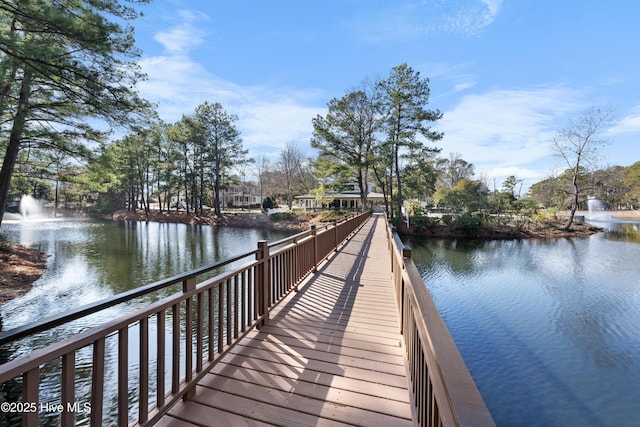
(268, 203)
(468, 222)
(422, 223)
(448, 219)
(395, 221)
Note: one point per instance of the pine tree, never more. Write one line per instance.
(61, 65)
(402, 99)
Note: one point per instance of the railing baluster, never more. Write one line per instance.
(30, 391)
(314, 252)
(220, 318)
(188, 339)
(161, 358)
(244, 315)
(68, 388)
(143, 405)
(200, 332)
(212, 324)
(188, 285)
(228, 312)
(175, 348)
(123, 377)
(262, 282)
(236, 306)
(97, 382)
(251, 298)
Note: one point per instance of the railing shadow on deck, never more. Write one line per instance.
(165, 347)
(444, 393)
(304, 323)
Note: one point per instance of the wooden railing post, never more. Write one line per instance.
(390, 241)
(262, 287)
(406, 252)
(296, 265)
(335, 235)
(315, 247)
(189, 284)
(406, 255)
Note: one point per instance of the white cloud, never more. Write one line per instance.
(273, 123)
(493, 7)
(508, 132)
(268, 117)
(519, 173)
(459, 87)
(411, 19)
(628, 124)
(180, 39)
(465, 17)
(185, 36)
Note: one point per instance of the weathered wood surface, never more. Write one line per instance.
(332, 354)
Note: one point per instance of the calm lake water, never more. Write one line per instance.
(549, 329)
(91, 260)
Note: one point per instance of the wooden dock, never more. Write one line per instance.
(331, 354)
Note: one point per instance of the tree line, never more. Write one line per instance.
(64, 66)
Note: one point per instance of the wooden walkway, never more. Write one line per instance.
(332, 353)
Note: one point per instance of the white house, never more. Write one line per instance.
(241, 199)
(339, 200)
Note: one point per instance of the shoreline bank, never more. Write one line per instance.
(21, 266)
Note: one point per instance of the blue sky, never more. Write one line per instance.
(507, 74)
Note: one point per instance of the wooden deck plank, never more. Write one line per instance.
(380, 364)
(248, 409)
(323, 378)
(298, 363)
(343, 331)
(331, 353)
(369, 352)
(389, 361)
(205, 416)
(311, 399)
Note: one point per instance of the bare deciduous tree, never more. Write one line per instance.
(578, 146)
(290, 166)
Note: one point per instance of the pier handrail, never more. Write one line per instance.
(54, 321)
(444, 393)
(179, 337)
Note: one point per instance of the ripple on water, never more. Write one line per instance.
(548, 329)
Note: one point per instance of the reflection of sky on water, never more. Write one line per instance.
(91, 260)
(548, 328)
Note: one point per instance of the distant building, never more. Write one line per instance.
(337, 200)
(247, 197)
(233, 199)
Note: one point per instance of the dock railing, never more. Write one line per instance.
(444, 394)
(159, 352)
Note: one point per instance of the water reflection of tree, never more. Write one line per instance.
(585, 315)
(625, 232)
